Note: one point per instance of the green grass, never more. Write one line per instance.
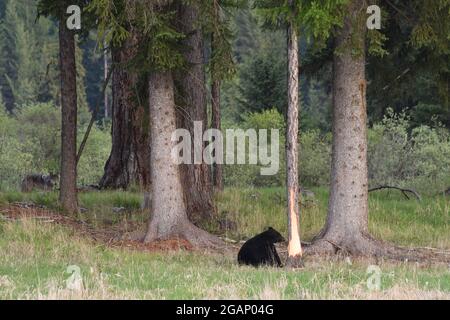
(35, 256)
(392, 217)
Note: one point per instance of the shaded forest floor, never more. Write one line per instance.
(38, 246)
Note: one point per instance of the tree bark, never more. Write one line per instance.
(216, 124)
(346, 229)
(105, 76)
(191, 97)
(168, 218)
(68, 175)
(347, 221)
(294, 245)
(130, 153)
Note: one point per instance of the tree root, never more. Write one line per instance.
(200, 238)
(295, 263)
(188, 231)
(366, 246)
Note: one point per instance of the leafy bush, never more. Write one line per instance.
(250, 175)
(314, 158)
(397, 155)
(418, 158)
(95, 155)
(314, 155)
(30, 143)
(13, 160)
(39, 127)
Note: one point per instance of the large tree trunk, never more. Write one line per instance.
(191, 97)
(294, 246)
(130, 153)
(168, 218)
(346, 228)
(347, 221)
(68, 175)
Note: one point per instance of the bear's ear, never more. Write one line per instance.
(269, 228)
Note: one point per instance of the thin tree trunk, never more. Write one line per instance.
(168, 218)
(294, 246)
(216, 124)
(105, 74)
(130, 153)
(68, 175)
(191, 97)
(347, 221)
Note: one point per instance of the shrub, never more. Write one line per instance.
(418, 158)
(30, 143)
(250, 175)
(314, 158)
(13, 160)
(314, 155)
(95, 155)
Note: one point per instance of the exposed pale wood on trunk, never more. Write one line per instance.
(294, 245)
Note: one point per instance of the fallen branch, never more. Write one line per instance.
(404, 191)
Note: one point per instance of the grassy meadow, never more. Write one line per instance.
(36, 253)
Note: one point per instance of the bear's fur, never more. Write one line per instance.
(260, 250)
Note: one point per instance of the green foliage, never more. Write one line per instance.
(399, 156)
(13, 159)
(111, 21)
(314, 155)
(269, 119)
(19, 49)
(432, 30)
(94, 157)
(263, 83)
(156, 23)
(216, 17)
(249, 175)
(29, 58)
(39, 129)
(316, 18)
(315, 111)
(247, 34)
(376, 44)
(314, 158)
(30, 143)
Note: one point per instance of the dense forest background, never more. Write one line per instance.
(408, 104)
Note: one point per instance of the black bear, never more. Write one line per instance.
(260, 250)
